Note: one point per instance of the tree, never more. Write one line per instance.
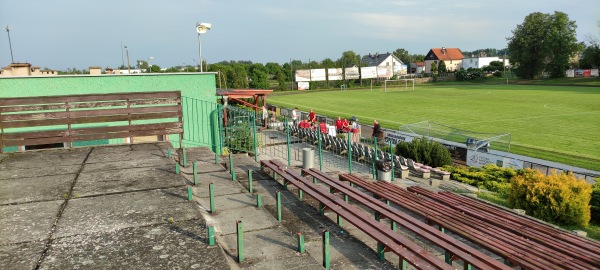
(494, 66)
(259, 79)
(543, 42)
(155, 68)
(403, 55)
(590, 57)
(348, 59)
(442, 68)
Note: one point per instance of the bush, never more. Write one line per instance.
(559, 198)
(595, 202)
(425, 151)
(490, 177)
(469, 74)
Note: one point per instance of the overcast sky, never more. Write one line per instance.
(72, 33)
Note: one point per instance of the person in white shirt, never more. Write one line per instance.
(295, 116)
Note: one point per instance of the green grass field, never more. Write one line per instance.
(558, 123)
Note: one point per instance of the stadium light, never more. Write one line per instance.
(201, 28)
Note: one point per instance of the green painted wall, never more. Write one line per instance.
(198, 89)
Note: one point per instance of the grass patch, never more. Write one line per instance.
(557, 123)
(492, 197)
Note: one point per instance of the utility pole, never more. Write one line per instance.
(128, 65)
(122, 59)
(12, 59)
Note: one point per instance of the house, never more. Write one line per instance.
(478, 62)
(383, 60)
(25, 69)
(417, 67)
(452, 57)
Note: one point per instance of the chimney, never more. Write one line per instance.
(444, 50)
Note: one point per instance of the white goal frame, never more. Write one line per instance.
(405, 83)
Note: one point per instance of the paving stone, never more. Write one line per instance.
(132, 209)
(44, 158)
(54, 169)
(181, 245)
(22, 255)
(106, 182)
(42, 188)
(253, 218)
(27, 222)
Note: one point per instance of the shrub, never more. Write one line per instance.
(425, 151)
(469, 74)
(595, 202)
(490, 177)
(559, 198)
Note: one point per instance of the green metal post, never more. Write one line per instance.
(190, 193)
(321, 209)
(326, 262)
(258, 200)
(216, 158)
(254, 137)
(240, 241)
(393, 225)
(287, 134)
(377, 216)
(376, 157)
(447, 255)
(381, 251)
(301, 243)
(177, 168)
(211, 234)
(467, 266)
(403, 265)
(231, 169)
(184, 156)
(250, 181)
(195, 170)
(169, 152)
(320, 152)
(278, 205)
(349, 153)
(211, 195)
(373, 170)
(218, 131)
(340, 220)
(345, 198)
(392, 155)
(300, 194)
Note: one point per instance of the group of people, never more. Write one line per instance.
(310, 122)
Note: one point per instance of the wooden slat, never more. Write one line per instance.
(89, 120)
(34, 134)
(96, 130)
(85, 98)
(62, 106)
(87, 113)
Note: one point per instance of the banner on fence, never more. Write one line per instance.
(396, 137)
(303, 85)
(317, 75)
(594, 72)
(384, 72)
(480, 159)
(352, 73)
(335, 74)
(368, 72)
(303, 75)
(456, 152)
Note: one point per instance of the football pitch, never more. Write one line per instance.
(558, 123)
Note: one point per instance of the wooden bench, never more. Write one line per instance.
(577, 247)
(66, 119)
(513, 248)
(453, 246)
(386, 237)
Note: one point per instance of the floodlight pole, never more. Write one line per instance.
(200, 51)
(128, 64)
(12, 59)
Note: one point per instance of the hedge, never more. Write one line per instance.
(490, 177)
(425, 151)
(559, 198)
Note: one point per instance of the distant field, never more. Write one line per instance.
(558, 123)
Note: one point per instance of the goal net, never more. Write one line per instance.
(472, 139)
(399, 85)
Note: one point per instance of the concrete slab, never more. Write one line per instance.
(55, 169)
(231, 201)
(27, 222)
(269, 249)
(107, 182)
(121, 153)
(253, 219)
(44, 158)
(118, 211)
(180, 245)
(21, 256)
(203, 154)
(221, 181)
(42, 188)
(129, 164)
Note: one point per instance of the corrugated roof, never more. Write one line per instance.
(445, 54)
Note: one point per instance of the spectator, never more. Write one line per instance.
(265, 115)
(338, 125)
(376, 129)
(323, 127)
(312, 117)
(295, 116)
(355, 128)
(345, 125)
(304, 124)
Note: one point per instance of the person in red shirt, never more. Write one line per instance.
(345, 125)
(323, 127)
(312, 117)
(338, 125)
(304, 124)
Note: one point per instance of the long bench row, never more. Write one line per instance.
(386, 237)
(575, 246)
(515, 249)
(451, 245)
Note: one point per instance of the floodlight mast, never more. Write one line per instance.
(12, 59)
(201, 28)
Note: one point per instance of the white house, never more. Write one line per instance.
(388, 60)
(478, 62)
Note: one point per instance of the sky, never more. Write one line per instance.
(63, 34)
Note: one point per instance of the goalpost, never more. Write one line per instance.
(398, 83)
